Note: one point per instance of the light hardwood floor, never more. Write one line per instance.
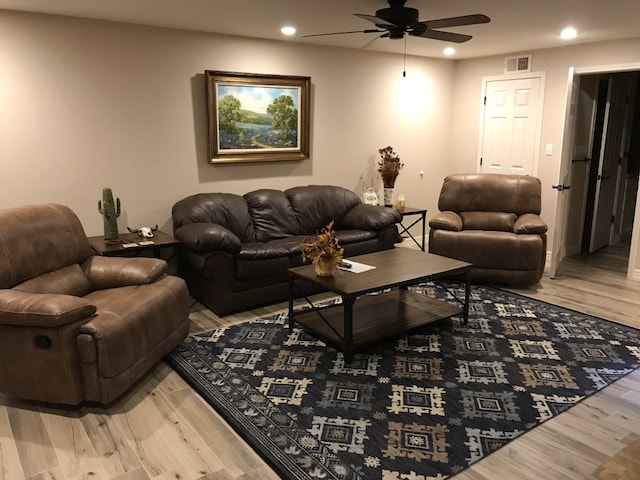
(161, 429)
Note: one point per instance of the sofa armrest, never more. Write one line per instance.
(446, 221)
(529, 223)
(42, 309)
(207, 237)
(370, 217)
(113, 272)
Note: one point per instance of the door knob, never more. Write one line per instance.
(561, 187)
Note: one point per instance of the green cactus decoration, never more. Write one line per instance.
(110, 214)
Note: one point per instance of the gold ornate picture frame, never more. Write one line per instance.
(256, 117)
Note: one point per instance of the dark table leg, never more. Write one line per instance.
(349, 349)
(290, 304)
(424, 220)
(467, 291)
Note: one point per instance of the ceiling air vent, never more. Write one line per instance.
(521, 63)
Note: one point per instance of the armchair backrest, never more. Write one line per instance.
(38, 239)
(489, 192)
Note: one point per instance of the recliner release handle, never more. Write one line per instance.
(42, 341)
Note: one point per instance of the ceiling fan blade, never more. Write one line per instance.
(444, 36)
(456, 21)
(377, 20)
(370, 30)
(374, 39)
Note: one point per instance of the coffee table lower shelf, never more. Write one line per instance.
(376, 317)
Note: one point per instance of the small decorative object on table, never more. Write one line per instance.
(370, 197)
(145, 232)
(110, 213)
(324, 252)
(389, 167)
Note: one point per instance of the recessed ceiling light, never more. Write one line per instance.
(449, 51)
(568, 33)
(288, 30)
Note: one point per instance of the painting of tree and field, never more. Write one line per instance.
(254, 117)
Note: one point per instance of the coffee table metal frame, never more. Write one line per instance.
(393, 310)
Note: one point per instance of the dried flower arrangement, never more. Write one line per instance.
(325, 247)
(389, 166)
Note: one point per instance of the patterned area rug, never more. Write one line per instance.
(419, 407)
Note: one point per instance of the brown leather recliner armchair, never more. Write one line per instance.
(493, 222)
(76, 327)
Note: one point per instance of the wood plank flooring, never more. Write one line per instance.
(161, 429)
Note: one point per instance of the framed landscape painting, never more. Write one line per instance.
(257, 118)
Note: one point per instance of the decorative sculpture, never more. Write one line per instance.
(110, 214)
(146, 232)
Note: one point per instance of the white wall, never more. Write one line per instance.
(556, 63)
(89, 104)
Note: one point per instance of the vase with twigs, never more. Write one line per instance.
(389, 167)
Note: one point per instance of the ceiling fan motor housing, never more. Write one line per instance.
(403, 17)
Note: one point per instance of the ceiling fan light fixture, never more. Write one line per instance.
(448, 51)
(288, 30)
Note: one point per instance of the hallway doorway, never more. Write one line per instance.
(604, 165)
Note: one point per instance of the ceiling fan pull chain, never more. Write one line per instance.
(404, 59)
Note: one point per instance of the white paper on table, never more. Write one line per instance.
(356, 267)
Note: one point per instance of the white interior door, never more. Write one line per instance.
(510, 131)
(610, 158)
(562, 202)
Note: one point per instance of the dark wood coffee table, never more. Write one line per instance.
(387, 314)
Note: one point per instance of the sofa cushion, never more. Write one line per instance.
(272, 249)
(499, 250)
(69, 280)
(347, 237)
(499, 221)
(226, 209)
(315, 206)
(254, 268)
(133, 321)
(272, 215)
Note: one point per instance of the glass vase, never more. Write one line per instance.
(387, 194)
(370, 197)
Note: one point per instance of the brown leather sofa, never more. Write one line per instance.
(238, 247)
(76, 327)
(493, 222)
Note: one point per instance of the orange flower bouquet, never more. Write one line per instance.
(324, 252)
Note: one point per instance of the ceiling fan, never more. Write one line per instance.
(397, 20)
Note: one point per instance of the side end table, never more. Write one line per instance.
(139, 246)
(422, 217)
(132, 245)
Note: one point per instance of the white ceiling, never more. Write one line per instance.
(517, 26)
